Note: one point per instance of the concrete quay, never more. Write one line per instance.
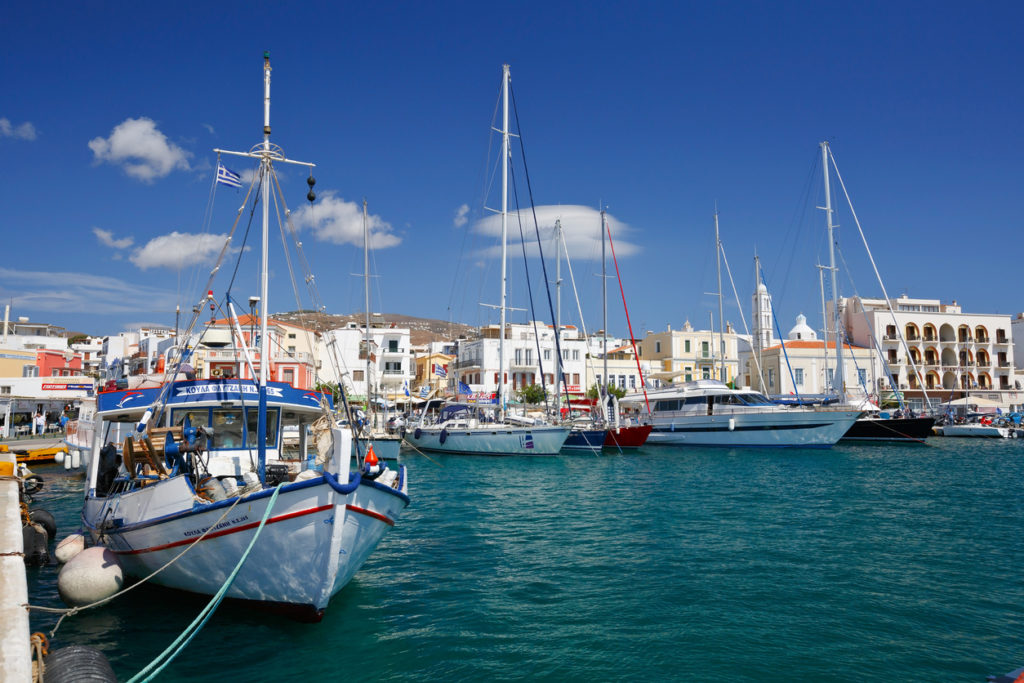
(15, 651)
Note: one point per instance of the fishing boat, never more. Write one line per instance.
(706, 412)
(78, 436)
(471, 429)
(974, 430)
(205, 472)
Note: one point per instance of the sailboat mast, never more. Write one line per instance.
(366, 297)
(604, 319)
(721, 315)
(558, 315)
(504, 236)
(261, 423)
(838, 383)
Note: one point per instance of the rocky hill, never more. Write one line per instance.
(421, 330)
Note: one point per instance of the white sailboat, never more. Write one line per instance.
(465, 429)
(186, 494)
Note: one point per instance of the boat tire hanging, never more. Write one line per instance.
(444, 436)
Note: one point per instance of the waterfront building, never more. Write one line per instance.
(805, 365)
(219, 354)
(390, 355)
(525, 355)
(948, 353)
(688, 354)
(622, 370)
(433, 371)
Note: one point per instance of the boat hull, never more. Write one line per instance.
(634, 436)
(325, 529)
(790, 428)
(974, 430)
(490, 440)
(386, 448)
(589, 440)
(901, 429)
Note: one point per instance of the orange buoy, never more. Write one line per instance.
(370, 463)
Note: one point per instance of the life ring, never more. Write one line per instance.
(444, 436)
(417, 434)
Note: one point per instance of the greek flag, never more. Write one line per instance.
(226, 176)
(440, 370)
(406, 387)
(424, 390)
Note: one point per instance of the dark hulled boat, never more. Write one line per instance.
(900, 429)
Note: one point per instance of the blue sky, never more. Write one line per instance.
(657, 110)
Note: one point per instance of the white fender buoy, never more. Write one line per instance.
(732, 424)
(93, 574)
(76, 459)
(58, 457)
(69, 547)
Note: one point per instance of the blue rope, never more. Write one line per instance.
(190, 632)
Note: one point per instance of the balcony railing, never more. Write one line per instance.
(392, 350)
(1002, 340)
(468, 363)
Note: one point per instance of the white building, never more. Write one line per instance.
(947, 352)
(477, 359)
(390, 355)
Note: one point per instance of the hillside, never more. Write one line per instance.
(421, 330)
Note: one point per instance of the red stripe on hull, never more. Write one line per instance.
(628, 437)
(371, 513)
(226, 532)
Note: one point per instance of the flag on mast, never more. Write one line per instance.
(226, 176)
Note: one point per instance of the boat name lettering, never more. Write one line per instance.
(236, 520)
(202, 389)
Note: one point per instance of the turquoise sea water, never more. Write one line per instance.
(859, 563)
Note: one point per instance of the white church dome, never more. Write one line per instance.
(802, 330)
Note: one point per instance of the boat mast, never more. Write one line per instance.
(366, 295)
(558, 316)
(604, 321)
(838, 384)
(721, 315)
(261, 424)
(267, 154)
(504, 237)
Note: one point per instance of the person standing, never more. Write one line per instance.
(40, 422)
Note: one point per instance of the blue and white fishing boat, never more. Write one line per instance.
(206, 463)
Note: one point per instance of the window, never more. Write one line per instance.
(288, 376)
(686, 346)
(862, 376)
(5, 389)
(357, 375)
(829, 376)
(575, 354)
(599, 380)
(622, 381)
(798, 376)
(29, 371)
(632, 381)
(657, 346)
(519, 356)
(291, 349)
(529, 356)
(576, 378)
(547, 354)
(253, 417)
(54, 373)
(704, 349)
(291, 335)
(705, 373)
(771, 377)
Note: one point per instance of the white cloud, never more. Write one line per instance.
(460, 216)
(209, 128)
(142, 150)
(106, 237)
(333, 219)
(581, 226)
(24, 131)
(177, 250)
(61, 292)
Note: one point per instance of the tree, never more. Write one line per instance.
(592, 392)
(532, 393)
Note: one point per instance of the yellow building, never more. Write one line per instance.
(688, 354)
(426, 375)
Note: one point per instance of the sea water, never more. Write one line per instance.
(857, 563)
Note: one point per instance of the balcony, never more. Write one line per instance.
(393, 350)
(930, 338)
(889, 336)
(984, 340)
(1001, 339)
(464, 364)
